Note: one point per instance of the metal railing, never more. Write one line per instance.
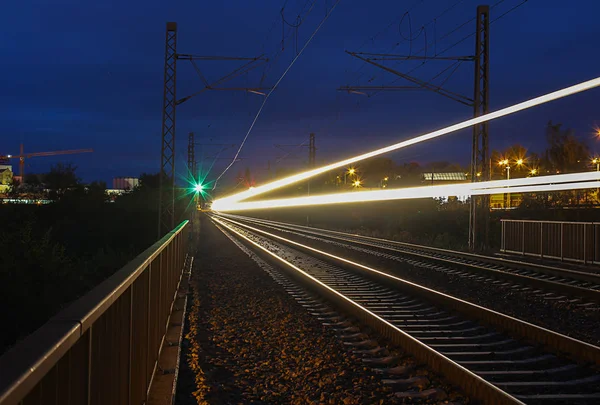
(103, 348)
(568, 241)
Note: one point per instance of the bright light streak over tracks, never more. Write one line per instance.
(562, 182)
(568, 91)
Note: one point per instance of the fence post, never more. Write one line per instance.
(502, 245)
(541, 240)
(523, 240)
(584, 243)
(595, 251)
(562, 231)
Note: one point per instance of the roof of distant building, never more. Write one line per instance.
(452, 176)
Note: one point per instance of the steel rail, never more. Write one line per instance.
(463, 260)
(105, 346)
(577, 350)
(474, 386)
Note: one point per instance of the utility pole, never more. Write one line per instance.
(312, 151)
(479, 210)
(166, 205)
(312, 154)
(191, 163)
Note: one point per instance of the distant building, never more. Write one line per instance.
(6, 175)
(125, 183)
(444, 179)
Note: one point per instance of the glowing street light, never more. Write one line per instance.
(533, 172)
(198, 188)
(519, 162)
(350, 171)
(356, 183)
(596, 161)
(505, 163)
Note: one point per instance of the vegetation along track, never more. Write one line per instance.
(493, 357)
(580, 288)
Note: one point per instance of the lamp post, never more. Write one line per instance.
(383, 183)
(596, 161)
(350, 171)
(507, 166)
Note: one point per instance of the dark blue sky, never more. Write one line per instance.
(81, 73)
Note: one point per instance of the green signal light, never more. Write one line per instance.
(199, 187)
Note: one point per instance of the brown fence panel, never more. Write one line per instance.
(570, 241)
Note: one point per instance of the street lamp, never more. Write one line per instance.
(596, 161)
(356, 183)
(505, 163)
(350, 171)
(533, 172)
(383, 182)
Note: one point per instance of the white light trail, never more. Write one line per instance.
(568, 91)
(561, 182)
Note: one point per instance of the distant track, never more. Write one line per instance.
(495, 358)
(568, 284)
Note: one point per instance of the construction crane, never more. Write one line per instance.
(22, 156)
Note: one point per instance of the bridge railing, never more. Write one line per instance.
(568, 241)
(103, 348)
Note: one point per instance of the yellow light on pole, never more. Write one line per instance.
(351, 171)
(385, 178)
(533, 172)
(356, 183)
(519, 162)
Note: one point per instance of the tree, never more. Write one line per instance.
(61, 178)
(13, 189)
(565, 152)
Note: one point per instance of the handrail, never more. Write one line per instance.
(537, 221)
(69, 361)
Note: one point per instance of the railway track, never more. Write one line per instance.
(580, 288)
(493, 357)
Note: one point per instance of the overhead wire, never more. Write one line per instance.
(457, 28)
(435, 41)
(309, 40)
(389, 50)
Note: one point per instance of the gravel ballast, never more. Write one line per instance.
(248, 341)
(559, 315)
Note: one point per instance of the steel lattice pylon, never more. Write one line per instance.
(191, 164)
(479, 214)
(166, 208)
(312, 151)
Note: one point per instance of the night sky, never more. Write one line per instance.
(88, 74)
